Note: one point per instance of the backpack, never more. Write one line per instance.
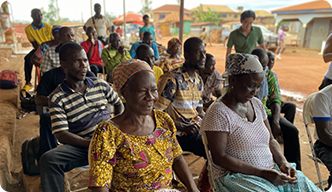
(30, 156)
(8, 79)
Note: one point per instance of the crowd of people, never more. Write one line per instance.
(162, 107)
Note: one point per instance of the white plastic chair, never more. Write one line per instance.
(308, 119)
(209, 164)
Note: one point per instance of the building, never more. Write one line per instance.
(264, 18)
(170, 24)
(312, 21)
(226, 13)
(161, 12)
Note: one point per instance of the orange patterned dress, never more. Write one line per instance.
(124, 162)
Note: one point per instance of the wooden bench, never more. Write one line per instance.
(295, 42)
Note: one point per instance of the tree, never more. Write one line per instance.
(110, 16)
(146, 6)
(51, 15)
(210, 16)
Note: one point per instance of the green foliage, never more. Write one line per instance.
(209, 16)
(50, 16)
(146, 6)
(110, 16)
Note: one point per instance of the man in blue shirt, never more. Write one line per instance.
(147, 39)
(147, 27)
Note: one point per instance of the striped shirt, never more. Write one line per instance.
(179, 95)
(81, 113)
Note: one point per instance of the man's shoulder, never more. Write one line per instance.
(29, 27)
(47, 26)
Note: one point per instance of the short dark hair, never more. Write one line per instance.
(269, 53)
(62, 29)
(146, 34)
(111, 35)
(64, 48)
(248, 13)
(34, 10)
(188, 43)
(142, 47)
(146, 16)
(209, 56)
(260, 53)
(97, 5)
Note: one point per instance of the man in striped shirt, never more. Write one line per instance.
(77, 106)
(180, 95)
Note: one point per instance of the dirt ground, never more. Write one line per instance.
(300, 71)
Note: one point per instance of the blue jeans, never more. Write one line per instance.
(47, 140)
(55, 162)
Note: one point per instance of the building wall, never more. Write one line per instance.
(187, 27)
(319, 32)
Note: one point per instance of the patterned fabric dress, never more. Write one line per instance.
(171, 63)
(249, 142)
(124, 162)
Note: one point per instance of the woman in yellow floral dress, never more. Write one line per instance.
(137, 150)
(174, 60)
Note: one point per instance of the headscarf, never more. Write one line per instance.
(239, 63)
(172, 42)
(56, 28)
(126, 69)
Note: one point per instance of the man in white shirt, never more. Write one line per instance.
(100, 23)
(322, 113)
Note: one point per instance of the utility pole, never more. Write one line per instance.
(181, 20)
(124, 19)
(104, 7)
(91, 8)
(57, 11)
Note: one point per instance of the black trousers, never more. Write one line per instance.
(28, 66)
(96, 69)
(289, 110)
(324, 153)
(291, 141)
(192, 143)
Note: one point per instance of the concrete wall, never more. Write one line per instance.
(319, 32)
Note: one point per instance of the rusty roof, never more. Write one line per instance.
(313, 5)
(169, 8)
(217, 8)
(201, 24)
(263, 13)
(175, 17)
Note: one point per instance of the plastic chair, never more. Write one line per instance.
(308, 119)
(210, 163)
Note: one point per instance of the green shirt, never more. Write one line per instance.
(111, 58)
(274, 95)
(245, 44)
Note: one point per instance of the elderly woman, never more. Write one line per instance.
(137, 150)
(174, 60)
(245, 155)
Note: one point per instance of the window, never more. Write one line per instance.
(235, 15)
(187, 14)
(161, 16)
(224, 15)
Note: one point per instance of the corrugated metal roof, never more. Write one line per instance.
(217, 8)
(313, 5)
(169, 8)
(175, 17)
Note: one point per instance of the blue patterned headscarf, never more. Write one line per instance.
(239, 63)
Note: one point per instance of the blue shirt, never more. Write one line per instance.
(150, 29)
(135, 45)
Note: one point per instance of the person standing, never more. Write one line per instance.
(245, 37)
(93, 48)
(37, 33)
(100, 23)
(281, 43)
(204, 36)
(147, 27)
(327, 56)
(147, 39)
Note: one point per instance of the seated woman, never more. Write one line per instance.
(174, 60)
(137, 150)
(245, 155)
